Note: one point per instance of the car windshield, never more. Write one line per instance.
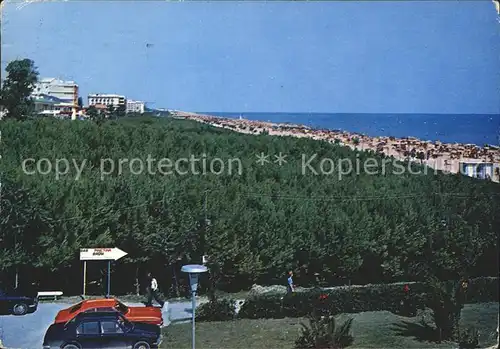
(76, 307)
(122, 308)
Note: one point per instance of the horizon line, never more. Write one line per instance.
(364, 113)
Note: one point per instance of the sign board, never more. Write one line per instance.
(101, 254)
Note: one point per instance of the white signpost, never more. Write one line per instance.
(99, 254)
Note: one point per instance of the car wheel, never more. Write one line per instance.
(71, 346)
(142, 345)
(20, 309)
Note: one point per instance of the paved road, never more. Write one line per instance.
(27, 332)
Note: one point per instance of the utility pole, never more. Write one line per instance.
(206, 220)
(205, 223)
(17, 269)
(205, 226)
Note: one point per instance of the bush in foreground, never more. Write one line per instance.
(468, 339)
(324, 332)
(446, 302)
(217, 309)
(400, 298)
(482, 289)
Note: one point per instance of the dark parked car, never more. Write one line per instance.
(18, 301)
(102, 330)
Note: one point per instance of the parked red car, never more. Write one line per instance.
(151, 315)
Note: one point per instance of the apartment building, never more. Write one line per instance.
(52, 106)
(57, 95)
(66, 91)
(107, 100)
(135, 106)
(481, 170)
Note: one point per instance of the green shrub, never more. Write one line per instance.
(354, 299)
(478, 290)
(345, 299)
(262, 307)
(469, 339)
(324, 333)
(217, 310)
(446, 303)
(482, 290)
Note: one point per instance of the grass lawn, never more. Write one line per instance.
(370, 330)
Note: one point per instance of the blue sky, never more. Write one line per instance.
(359, 57)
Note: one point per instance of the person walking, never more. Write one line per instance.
(152, 291)
(290, 285)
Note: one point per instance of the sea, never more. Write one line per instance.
(479, 129)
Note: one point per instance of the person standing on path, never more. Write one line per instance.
(152, 290)
(290, 285)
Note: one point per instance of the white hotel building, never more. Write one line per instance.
(63, 96)
(106, 99)
(63, 90)
(135, 106)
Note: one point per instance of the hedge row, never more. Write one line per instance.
(399, 298)
(482, 290)
(348, 299)
(216, 310)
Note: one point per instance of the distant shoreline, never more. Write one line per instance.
(446, 128)
(435, 154)
(330, 113)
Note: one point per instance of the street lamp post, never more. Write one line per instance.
(194, 270)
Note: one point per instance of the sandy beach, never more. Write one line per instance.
(437, 155)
